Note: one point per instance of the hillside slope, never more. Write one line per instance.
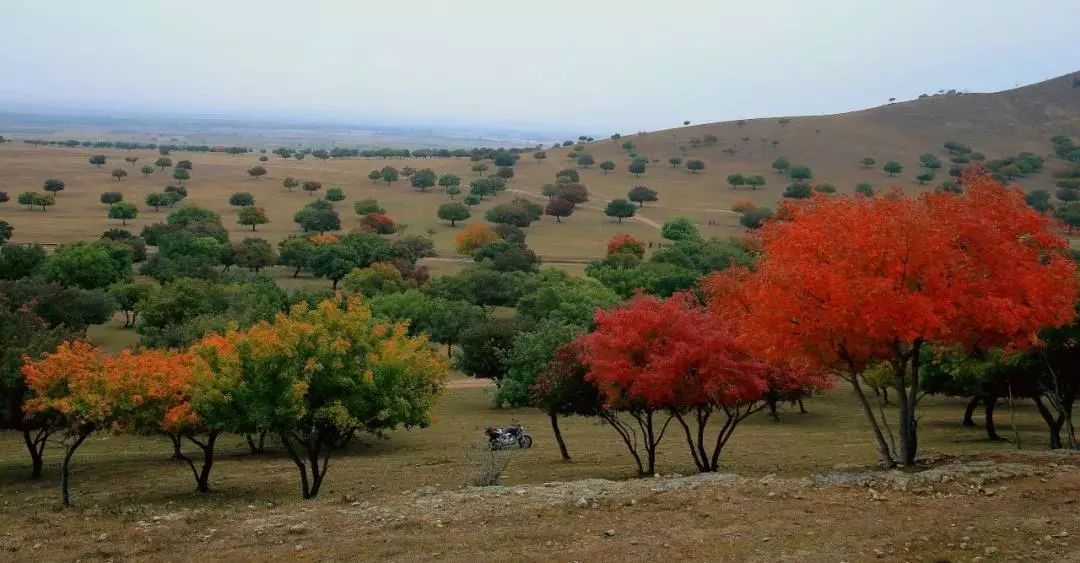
(997, 124)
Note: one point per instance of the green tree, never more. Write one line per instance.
(163, 163)
(88, 265)
(864, 188)
(637, 168)
(389, 174)
(333, 261)
(679, 228)
(454, 212)
(674, 161)
(123, 210)
(641, 194)
(256, 172)
(485, 347)
(311, 186)
(146, 170)
(367, 206)
(129, 297)
(620, 209)
(157, 200)
(558, 208)
(241, 199)
(380, 277)
(252, 216)
(479, 168)
(754, 218)
(800, 173)
(295, 252)
(255, 254)
(607, 166)
(109, 198)
(756, 181)
(695, 166)
(892, 168)
(181, 175)
(334, 195)
(520, 212)
(424, 178)
(781, 164)
(736, 180)
(289, 183)
(868, 162)
(20, 261)
(1069, 214)
(317, 219)
(530, 354)
(930, 161)
(586, 160)
(925, 177)
(119, 173)
(451, 184)
(53, 186)
(798, 190)
(1039, 200)
(98, 160)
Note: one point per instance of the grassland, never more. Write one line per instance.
(123, 482)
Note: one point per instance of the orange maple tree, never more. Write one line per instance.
(473, 236)
(620, 244)
(844, 282)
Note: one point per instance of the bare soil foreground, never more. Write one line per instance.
(795, 490)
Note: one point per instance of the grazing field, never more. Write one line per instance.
(132, 501)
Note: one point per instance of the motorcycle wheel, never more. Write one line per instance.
(525, 442)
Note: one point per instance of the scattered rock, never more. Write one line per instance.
(609, 533)
(298, 529)
(582, 502)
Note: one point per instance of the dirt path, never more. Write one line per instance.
(469, 383)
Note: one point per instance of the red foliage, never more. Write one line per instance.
(844, 282)
(377, 223)
(620, 244)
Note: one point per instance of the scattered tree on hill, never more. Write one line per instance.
(586, 160)
(756, 217)
(181, 175)
(559, 208)
(800, 173)
(1039, 200)
(679, 229)
(674, 161)
(98, 160)
(453, 212)
(641, 194)
(425, 178)
(109, 198)
(637, 168)
(123, 210)
(389, 174)
(378, 223)
(479, 168)
(472, 237)
(131, 160)
(241, 199)
(736, 180)
(334, 195)
(53, 186)
(695, 166)
(311, 186)
(781, 164)
(798, 190)
(185, 164)
(317, 219)
(620, 209)
(1069, 214)
(374, 176)
(256, 172)
(539, 155)
(825, 188)
(163, 163)
(607, 166)
(893, 168)
(573, 193)
(868, 162)
(251, 215)
(365, 206)
(146, 170)
(930, 161)
(756, 181)
(255, 253)
(289, 183)
(520, 213)
(924, 178)
(157, 200)
(864, 188)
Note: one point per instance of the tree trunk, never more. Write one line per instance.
(991, 428)
(36, 446)
(176, 440)
(65, 468)
(884, 451)
(969, 412)
(1052, 423)
(558, 436)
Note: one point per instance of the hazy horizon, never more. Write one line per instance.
(546, 66)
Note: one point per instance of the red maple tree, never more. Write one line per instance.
(844, 282)
(672, 356)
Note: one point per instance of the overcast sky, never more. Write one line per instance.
(592, 65)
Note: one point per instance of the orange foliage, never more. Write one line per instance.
(980, 268)
(324, 238)
(473, 236)
(620, 244)
(743, 205)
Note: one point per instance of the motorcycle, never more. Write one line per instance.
(502, 438)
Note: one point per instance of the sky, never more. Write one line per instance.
(595, 66)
